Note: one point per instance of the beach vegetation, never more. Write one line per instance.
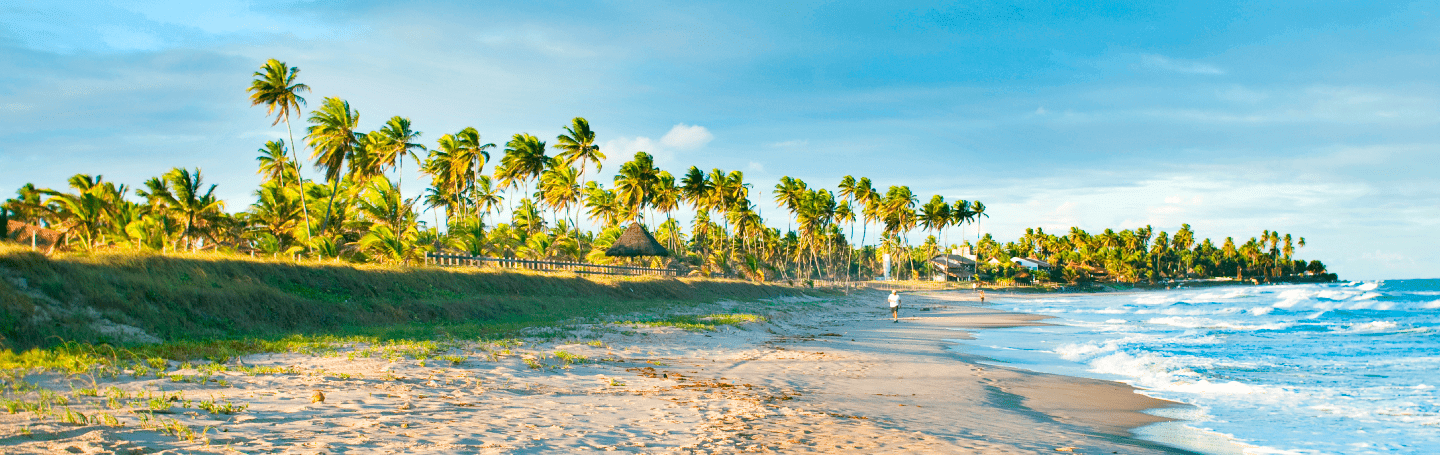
(501, 212)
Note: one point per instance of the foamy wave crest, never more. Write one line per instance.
(1206, 323)
(1368, 286)
(1371, 327)
(1078, 352)
(1274, 451)
(1167, 374)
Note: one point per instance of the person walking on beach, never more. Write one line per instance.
(895, 306)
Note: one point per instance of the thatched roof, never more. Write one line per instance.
(636, 242)
(952, 261)
(45, 239)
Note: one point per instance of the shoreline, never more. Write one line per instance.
(823, 375)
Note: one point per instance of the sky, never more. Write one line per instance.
(1317, 119)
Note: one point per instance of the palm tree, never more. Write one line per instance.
(473, 154)
(334, 140)
(400, 139)
(275, 87)
(560, 187)
(602, 205)
(898, 213)
(962, 212)
(186, 197)
(274, 165)
(524, 159)
(977, 208)
(695, 187)
(845, 213)
(635, 184)
(788, 194)
(275, 208)
(665, 196)
(486, 196)
(869, 200)
(578, 145)
(935, 215)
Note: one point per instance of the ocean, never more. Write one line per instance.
(1344, 368)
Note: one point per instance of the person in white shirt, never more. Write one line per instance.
(895, 306)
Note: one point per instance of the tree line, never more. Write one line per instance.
(350, 207)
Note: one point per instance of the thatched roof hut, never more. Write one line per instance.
(44, 239)
(636, 241)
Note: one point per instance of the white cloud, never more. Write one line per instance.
(619, 150)
(757, 167)
(687, 137)
(790, 143)
(1179, 66)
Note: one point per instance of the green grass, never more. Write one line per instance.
(215, 307)
(701, 323)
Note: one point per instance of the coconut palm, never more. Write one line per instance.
(276, 208)
(401, 143)
(665, 194)
(275, 87)
(960, 214)
(578, 145)
(695, 188)
(935, 215)
(635, 184)
(977, 209)
(524, 159)
(788, 194)
(603, 205)
(898, 213)
(869, 200)
(332, 135)
(487, 196)
(471, 159)
(186, 197)
(274, 164)
(560, 186)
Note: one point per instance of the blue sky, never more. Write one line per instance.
(1313, 118)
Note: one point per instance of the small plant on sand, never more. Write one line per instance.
(596, 343)
(215, 407)
(456, 360)
(570, 359)
(704, 323)
(533, 364)
(616, 383)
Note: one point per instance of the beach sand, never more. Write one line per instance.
(824, 375)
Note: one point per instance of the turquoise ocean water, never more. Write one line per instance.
(1346, 368)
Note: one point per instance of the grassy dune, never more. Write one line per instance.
(90, 299)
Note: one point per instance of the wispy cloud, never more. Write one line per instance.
(1161, 62)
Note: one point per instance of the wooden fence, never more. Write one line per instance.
(544, 266)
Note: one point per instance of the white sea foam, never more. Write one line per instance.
(1291, 369)
(1207, 323)
(1371, 327)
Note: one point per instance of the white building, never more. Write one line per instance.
(1032, 263)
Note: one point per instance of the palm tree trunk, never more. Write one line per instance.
(300, 184)
(334, 189)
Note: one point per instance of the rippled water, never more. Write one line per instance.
(1332, 368)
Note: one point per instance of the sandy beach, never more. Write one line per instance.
(822, 375)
